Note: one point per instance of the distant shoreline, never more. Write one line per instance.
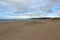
(13, 20)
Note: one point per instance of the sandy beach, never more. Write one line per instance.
(44, 29)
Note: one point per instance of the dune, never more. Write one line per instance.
(44, 29)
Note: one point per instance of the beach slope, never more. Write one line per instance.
(44, 29)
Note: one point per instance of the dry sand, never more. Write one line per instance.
(30, 30)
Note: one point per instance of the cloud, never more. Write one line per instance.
(16, 17)
(22, 4)
(16, 5)
(33, 8)
(54, 2)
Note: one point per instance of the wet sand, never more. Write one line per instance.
(30, 30)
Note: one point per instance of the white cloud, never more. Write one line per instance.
(15, 17)
(18, 17)
(34, 8)
(22, 4)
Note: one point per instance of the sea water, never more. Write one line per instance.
(12, 20)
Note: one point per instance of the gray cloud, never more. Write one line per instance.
(29, 6)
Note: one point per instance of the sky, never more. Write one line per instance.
(22, 9)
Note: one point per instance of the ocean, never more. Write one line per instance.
(12, 20)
